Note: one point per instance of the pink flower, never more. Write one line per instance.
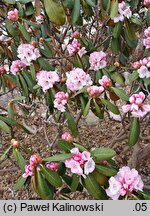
(2, 70)
(47, 79)
(77, 79)
(28, 171)
(95, 91)
(136, 65)
(147, 2)
(61, 100)
(97, 60)
(142, 67)
(75, 48)
(67, 136)
(144, 72)
(105, 82)
(136, 106)
(123, 12)
(125, 182)
(28, 53)
(80, 163)
(13, 15)
(146, 42)
(40, 19)
(17, 66)
(76, 35)
(52, 166)
(35, 159)
(147, 31)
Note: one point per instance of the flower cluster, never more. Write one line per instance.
(95, 91)
(67, 136)
(13, 15)
(27, 53)
(136, 106)
(52, 166)
(2, 70)
(80, 163)
(33, 162)
(142, 67)
(75, 47)
(77, 79)
(146, 41)
(17, 66)
(125, 182)
(123, 12)
(47, 79)
(147, 2)
(97, 60)
(105, 82)
(61, 100)
(40, 19)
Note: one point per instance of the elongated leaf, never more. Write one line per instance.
(19, 184)
(114, 8)
(91, 3)
(20, 159)
(71, 123)
(3, 156)
(80, 147)
(148, 17)
(64, 145)
(45, 64)
(120, 93)
(133, 76)
(106, 170)
(60, 157)
(52, 177)
(117, 29)
(75, 182)
(103, 153)
(69, 180)
(134, 132)
(76, 11)
(87, 108)
(55, 12)
(113, 108)
(99, 113)
(4, 127)
(94, 188)
(24, 86)
(8, 121)
(24, 32)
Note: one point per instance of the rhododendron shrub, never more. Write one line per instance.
(76, 57)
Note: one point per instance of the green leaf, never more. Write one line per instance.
(19, 98)
(130, 31)
(115, 45)
(148, 17)
(52, 177)
(5, 127)
(10, 1)
(99, 113)
(103, 153)
(106, 170)
(24, 32)
(113, 108)
(43, 188)
(87, 108)
(76, 11)
(134, 132)
(114, 9)
(74, 183)
(71, 123)
(120, 93)
(20, 159)
(45, 65)
(12, 28)
(117, 29)
(94, 188)
(64, 145)
(3, 156)
(29, 9)
(134, 76)
(117, 77)
(24, 86)
(91, 3)
(55, 12)
(60, 157)
(8, 121)
(69, 180)
(61, 169)
(19, 184)
(80, 147)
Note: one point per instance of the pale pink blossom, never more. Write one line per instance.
(97, 60)
(136, 106)
(28, 53)
(39, 19)
(105, 81)
(61, 100)
(52, 166)
(2, 70)
(144, 72)
(147, 32)
(77, 79)
(125, 182)
(75, 48)
(146, 42)
(123, 12)
(28, 171)
(147, 2)
(17, 66)
(13, 15)
(95, 91)
(143, 67)
(76, 35)
(67, 136)
(80, 163)
(35, 159)
(47, 79)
